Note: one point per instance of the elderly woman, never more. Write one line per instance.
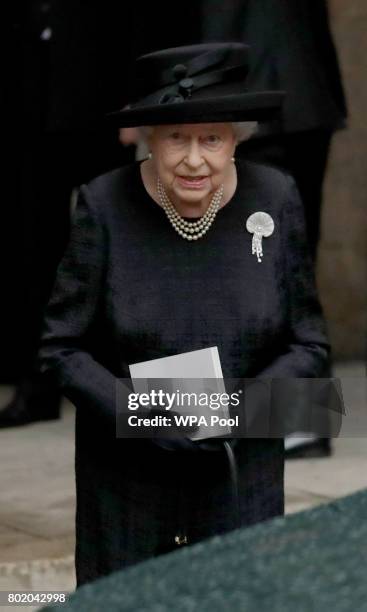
(164, 260)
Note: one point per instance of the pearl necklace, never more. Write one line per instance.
(186, 229)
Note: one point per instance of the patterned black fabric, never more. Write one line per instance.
(130, 289)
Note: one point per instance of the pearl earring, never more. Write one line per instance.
(233, 159)
(150, 155)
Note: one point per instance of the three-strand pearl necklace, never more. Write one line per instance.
(189, 230)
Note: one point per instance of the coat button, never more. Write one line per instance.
(180, 540)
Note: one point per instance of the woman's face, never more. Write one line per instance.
(192, 160)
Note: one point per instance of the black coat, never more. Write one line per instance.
(130, 289)
(93, 50)
(66, 64)
(291, 50)
(72, 61)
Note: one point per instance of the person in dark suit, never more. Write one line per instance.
(72, 63)
(292, 50)
(187, 250)
(62, 62)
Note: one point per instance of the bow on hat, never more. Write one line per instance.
(185, 78)
(211, 79)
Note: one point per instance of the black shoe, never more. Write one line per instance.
(317, 449)
(28, 407)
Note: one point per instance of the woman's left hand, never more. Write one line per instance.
(182, 443)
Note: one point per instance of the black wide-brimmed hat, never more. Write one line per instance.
(204, 83)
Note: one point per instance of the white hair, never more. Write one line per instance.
(243, 130)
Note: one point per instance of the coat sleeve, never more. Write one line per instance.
(307, 347)
(71, 313)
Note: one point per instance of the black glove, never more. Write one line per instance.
(185, 444)
(174, 443)
(182, 443)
